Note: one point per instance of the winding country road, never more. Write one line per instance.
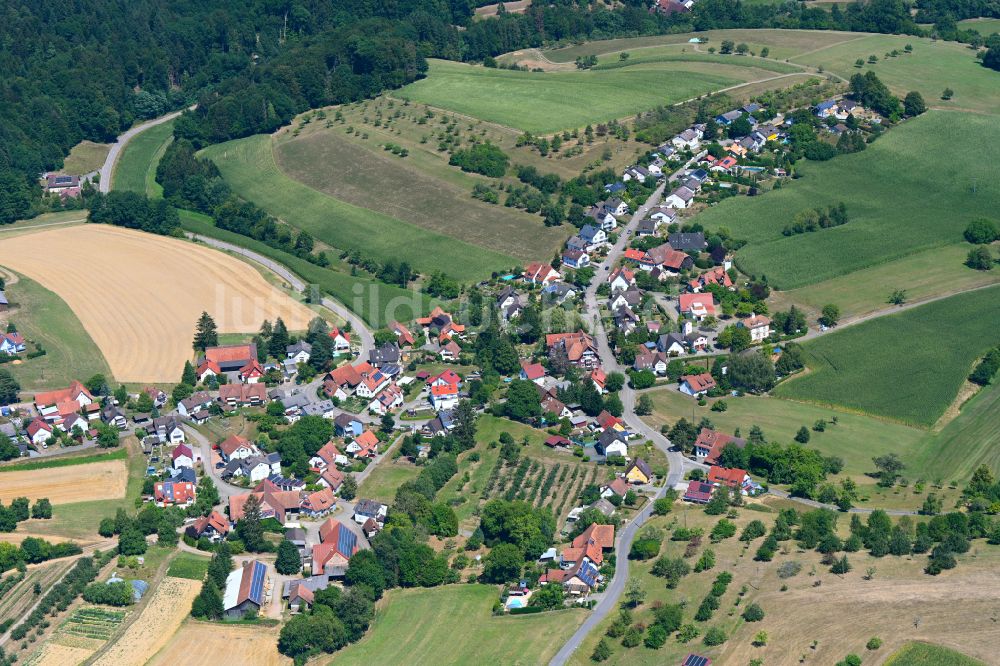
(108, 170)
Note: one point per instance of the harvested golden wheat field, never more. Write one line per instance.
(63, 485)
(55, 654)
(139, 295)
(204, 644)
(149, 632)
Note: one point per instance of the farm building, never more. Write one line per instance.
(245, 590)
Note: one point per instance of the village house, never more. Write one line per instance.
(12, 343)
(681, 197)
(689, 139)
(194, 404)
(327, 456)
(173, 493)
(686, 242)
(387, 354)
(444, 389)
(54, 406)
(671, 344)
(213, 527)
(654, 361)
(611, 443)
(666, 257)
(603, 218)
(242, 395)
(647, 227)
(182, 456)
(337, 545)
(255, 468)
(575, 259)
(388, 399)
(533, 372)
(616, 488)
(39, 432)
(300, 352)
(230, 358)
(366, 509)
(319, 503)
(638, 472)
(663, 214)
(541, 274)
(698, 492)
(594, 237)
(332, 478)
(759, 327)
(733, 478)
(251, 373)
(347, 425)
(710, 443)
(341, 341)
(449, 351)
(274, 503)
(697, 385)
(697, 306)
(577, 580)
(168, 430)
(440, 324)
(717, 275)
(403, 335)
(245, 590)
(577, 348)
(364, 445)
(509, 303)
(236, 447)
(114, 416)
(621, 279)
(62, 185)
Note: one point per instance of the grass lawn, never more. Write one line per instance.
(188, 565)
(547, 102)
(886, 189)
(248, 165)
(420, 189)
(984, 26)
(855, 437)
(66, 461)
(44, 318)
(924, 275)
(781, 43)
(418, 627)
(80, 520)
(374, 301)
(85, 157)
(972, 439)
(907, 366)
(678, 53)
(925, 654)
(930, 68)
(387, 477)
(136, 167)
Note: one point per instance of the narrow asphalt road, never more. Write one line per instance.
(358, 326)
(609, 598)
(108, 169)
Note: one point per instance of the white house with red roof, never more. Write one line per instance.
(540, 273)
(173, 493)
(327, 456)
(621, 279)
(364, 445)
(208, 369)
(759, 327)
(341, 341)
(533, 372)
(182, 456)
(444, 390)
(696, 306)
(12, 343)
(390, 398)
(697, 385)
(730, 477)
(252, 372)
(403, 335)
(39, 432)
(235, 447)
(56, 405)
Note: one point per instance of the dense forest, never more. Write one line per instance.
(89, 69)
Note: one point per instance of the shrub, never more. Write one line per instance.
(874, 643)
(753, 613)
(714, 636)
(789, 569)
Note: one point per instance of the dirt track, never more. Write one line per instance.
(63, 485)
(139, 295)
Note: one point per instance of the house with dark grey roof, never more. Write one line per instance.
(687, 241)
(384, 355)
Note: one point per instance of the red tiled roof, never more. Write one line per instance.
(68, 394)
(702, 382)
(726, 477)
(404, 333)
(232, 443)
(532, 371)
(714, 442)
(689, 302)
(602, 535)
(229, 353)
(321, 500)
(367, 439)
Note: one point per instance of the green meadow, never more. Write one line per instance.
(136, 167)
(907, 366)
(248, 165)
(912, 190)
(926, 654)
(418, 627)
(543, 102)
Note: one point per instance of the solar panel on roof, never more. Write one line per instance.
(257, 583)
(695, 660)
(346, 541)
